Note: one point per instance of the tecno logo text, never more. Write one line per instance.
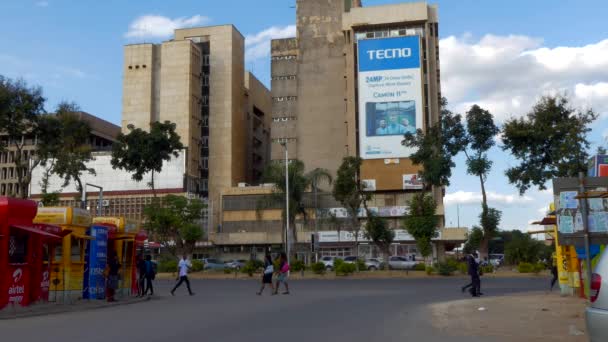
(389, 53)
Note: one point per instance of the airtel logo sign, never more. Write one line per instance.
(17, 275)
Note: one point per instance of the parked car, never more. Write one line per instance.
(350, 259)
(597, 314)
(373, 264)
(497, 260)
(400, 263)
(328, 261)
(236, 264)
(213, 264)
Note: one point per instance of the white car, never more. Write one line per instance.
(328, 261)
(400, 263)
(597, 314)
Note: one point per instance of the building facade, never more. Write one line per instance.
(103, 134)
(198, 81)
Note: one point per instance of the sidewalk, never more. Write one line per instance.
(44, 309)
(397, 274)
(534, 317)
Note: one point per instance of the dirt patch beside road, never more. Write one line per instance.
(534, 317)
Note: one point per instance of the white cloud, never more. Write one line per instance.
(507, 74)
(42, 4)
(157, 26)
(258, 45)
(469, 197)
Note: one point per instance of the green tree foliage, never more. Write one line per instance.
(474, 238)
(350, 191)
(20, 106)
(175, 221)
(140, 152)
(523, 248)
(74, 149)
(421, 222)
(479, 140)
(436, 148)
(551, 141)
(377, 230)
(298, 183)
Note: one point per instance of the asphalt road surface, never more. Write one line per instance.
(229, 310)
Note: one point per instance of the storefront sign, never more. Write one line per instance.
(52, 215)
(95, 263)
(392, 211)
(17, 291)
(347, 236)
(412, 182)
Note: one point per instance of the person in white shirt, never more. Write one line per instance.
(183, 267)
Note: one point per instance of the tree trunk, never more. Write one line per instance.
(152, 184)
(483, 246)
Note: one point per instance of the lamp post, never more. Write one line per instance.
(284, 144)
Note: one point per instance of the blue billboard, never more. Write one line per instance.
(96, 255)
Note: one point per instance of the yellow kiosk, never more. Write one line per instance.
(126, 239)
(67, 265)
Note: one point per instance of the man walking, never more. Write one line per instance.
(150, 274)
(473, 270)
(554, 273)
(183, 267)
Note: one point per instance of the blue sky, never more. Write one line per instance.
(502, 55)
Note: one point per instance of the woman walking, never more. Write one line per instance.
(283, 274)
(267, 275)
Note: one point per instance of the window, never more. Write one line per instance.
(205, 163)
(58, 253)
(17, 249)
(205, 121)
(205, 80)
(205, 141)
(76, 255)
(279, 58)
(205, 100)
(205, 60)
(205, 185)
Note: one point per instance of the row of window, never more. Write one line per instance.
(10, 173)
(283, 78)
(414, 31)
(285, 98)
(9, 189)
(279, 58)
(284, 118)
(10, 156)
(282, 140)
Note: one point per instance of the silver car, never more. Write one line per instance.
(597, 313)
(400, 263)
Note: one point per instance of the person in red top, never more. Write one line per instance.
(283, 274)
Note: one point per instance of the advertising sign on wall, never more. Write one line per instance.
(412, 182)
(390, 95)
(95, 263)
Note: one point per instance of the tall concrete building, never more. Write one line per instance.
(352, 82)
(198, 81)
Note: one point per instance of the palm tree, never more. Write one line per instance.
(299, 182)
(317, 176)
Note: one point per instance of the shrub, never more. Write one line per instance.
(345, 268)
(446, 268)
(525, 267)
(487, 269)
(463, 268)
(298, 265)
(227, 270)
(249, 268)
(258, 264)
(337, 264)
(361, 264)
(420, 267)
(318, 268)
(167, 266)
(197, 265)
(538, 267)
(430, 270)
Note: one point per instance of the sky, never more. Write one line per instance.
(501, 55)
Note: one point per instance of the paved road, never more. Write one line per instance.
(229, 310)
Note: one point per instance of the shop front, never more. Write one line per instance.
(68, 259)
(25, 250)
(126, 240)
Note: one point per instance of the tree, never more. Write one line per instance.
(175, 222)
(298, 183)
(141, 152)
(350, 191)
(522, 248)
(479, 139)
(436, 148)
(377, 230)
(75, 149)
(474, 238)
(421, 222)
(317, 176)
(550, 142)
(20, 107)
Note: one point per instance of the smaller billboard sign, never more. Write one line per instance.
(412, 182)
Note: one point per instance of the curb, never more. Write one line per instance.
(59, 309)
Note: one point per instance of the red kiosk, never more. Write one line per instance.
(25, 249)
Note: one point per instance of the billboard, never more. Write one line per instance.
(390, 95)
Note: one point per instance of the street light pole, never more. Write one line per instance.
(284, 144)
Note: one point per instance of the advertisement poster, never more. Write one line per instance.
(390, 95)
(17, 290)
(95, 263)
(412, 182)
(566, 224)
(567, 200)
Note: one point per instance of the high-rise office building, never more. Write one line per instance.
(198, 81)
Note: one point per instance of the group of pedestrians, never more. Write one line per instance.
(147, 273)
(282, 274)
